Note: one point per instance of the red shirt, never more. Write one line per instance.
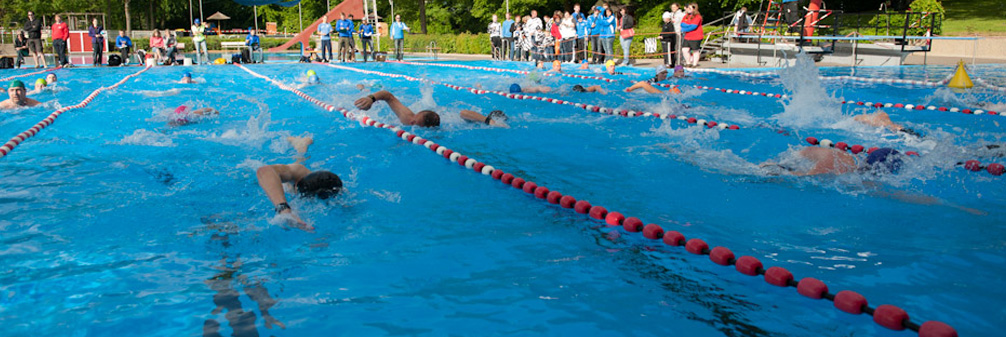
(156, 42)
(60, 31)
(693, 20)
(555, 31)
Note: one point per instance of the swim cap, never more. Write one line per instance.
(311, 73)
(885, 159)
(514, 88)
(313, 79)
(180, 109)
(16, 84)
(676, 68)
(666, 16)
(40, 81)
(321, 184)
(579, 88)
(609, 63)
(187, 74)
(498, 115)
(661, 68)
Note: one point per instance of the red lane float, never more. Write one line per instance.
(518, 96)
(28, 74)
(19, 138)
(846, 300)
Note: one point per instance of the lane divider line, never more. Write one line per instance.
(29, 74)
(18, 139)
(889, 316)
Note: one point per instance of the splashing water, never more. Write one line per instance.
(808, 103)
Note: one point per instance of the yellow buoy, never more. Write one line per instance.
(223, 61)
(961, 80)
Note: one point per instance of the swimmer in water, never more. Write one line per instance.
(425, 118)
(184, 116)
(646, 86)
(495, 118)
(516, 88)
(882, 119)
(826, 160)
(50, 78)
(609, 67)
(593, 88)
(363, 87)
(556, 67)
(317, 184)
(18, 96)
(40, 85)
(312, 78)
(186, 78)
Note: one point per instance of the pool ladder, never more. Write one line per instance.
(432, 49)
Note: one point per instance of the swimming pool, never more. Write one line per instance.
(114, 223)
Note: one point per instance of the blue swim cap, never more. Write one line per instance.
(187, 74)
(313, 79)
(514, 88)
(885, 159)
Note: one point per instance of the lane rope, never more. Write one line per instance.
(17, 140)
(519, 96)
(29, 74)
(889, 316)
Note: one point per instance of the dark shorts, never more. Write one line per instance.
(35, 45)
(692, 44)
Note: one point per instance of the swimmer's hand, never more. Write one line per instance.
(293, 220)
(501, 124)
(364, 103)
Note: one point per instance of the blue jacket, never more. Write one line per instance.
(607, 24)
(345, 28)
(594, 25)
(506, 28)
(366, 31)
(251, 40)
(582, 29)
(95, 33)
(688, 27)
(397, 30)
(577, 16)
(123, 41)
(325, 29)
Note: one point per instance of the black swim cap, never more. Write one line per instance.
(430, 118)
(579, 88)
(321, 184)
(498, 115)
(885, 159)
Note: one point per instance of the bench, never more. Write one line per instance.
(233, 45)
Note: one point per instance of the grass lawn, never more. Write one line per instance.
(967, 17)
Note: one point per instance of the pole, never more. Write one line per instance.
(508, 6)
(190, 12)
(392, 2)
(201, 17)
(375, 25)
(300, 17)
(255, 14)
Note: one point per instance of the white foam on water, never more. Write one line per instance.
(254, 134)
(147, 138)
(808, 104)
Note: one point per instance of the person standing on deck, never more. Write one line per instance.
(60, 32)
(325, 30)
(199, 42)
(398, 34)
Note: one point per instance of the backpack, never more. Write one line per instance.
(114, 60)
(246, 56)
(6, 63)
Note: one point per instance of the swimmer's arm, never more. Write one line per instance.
(405, 115)
(596, 88)
(476, 117)
(205, 111)
(643, 85)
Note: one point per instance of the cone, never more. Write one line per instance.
(961, 80)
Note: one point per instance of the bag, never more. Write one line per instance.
(114, 60)
(236, 58)
(246, 56)
(628, 33)
(6, 63)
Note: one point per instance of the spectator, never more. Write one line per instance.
(34, 29)
(523, 43)
(595, 35)
(582, 32)
(627, 23)
(607, 35)
(516, 33)
(496, 37)
(669, 40)
(398, 34)
(325, 30)
(576, 13)
(345, 29)
(170, 47)
(97, 41)
(60, 32)
(352, 39)
(530, 37)
(253, 43)
(199, 41)
(21, 47)
(533, 26)
(553, 28)
(691, 26)
(124, 44)
(507, 27)
(157, 45)
(568, 31)
(741, 21)
(366, 38)
(677, 14)
(790, 13)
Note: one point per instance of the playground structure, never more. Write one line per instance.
(358, 8)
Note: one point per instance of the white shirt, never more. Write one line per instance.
(677, 17)
(495, 29)
(534, 25)
(567, 28)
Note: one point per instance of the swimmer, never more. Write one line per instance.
(363, 87)
(646, 86)
(39, 86)
(556, 67)
(593, 88)
(317, 184)
(609, 67)
(425, 118)
(182, 114)
(882, 119)
(186, 78)
(18, 96)
(516, 88)
(495, 118)
(50, 78)
(827, 160)
(312, 77)
(679, 72)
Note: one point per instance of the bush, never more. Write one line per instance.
(918, 23)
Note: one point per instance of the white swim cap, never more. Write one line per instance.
(667, 15)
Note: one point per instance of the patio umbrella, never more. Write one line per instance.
(218, 17)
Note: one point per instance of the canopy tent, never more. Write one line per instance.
(218, 17)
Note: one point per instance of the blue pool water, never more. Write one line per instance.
(113, 223)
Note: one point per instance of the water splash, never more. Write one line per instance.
(255, 134)
(147, 138)
(808, 103)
